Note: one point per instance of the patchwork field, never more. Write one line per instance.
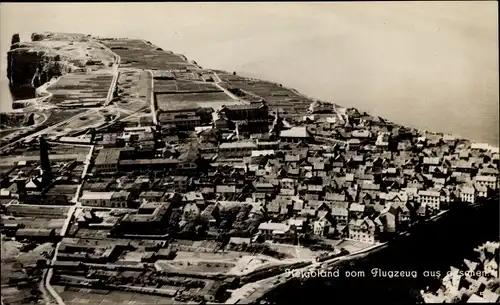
(138, 54)
(180, 86)
(275, 95)
(81, 87)
(134, 88)
(167, 102)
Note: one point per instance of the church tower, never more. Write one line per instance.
(44, 155)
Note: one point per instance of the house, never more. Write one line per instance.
(211, 214)
(190, 210)
(488, 181)
(226, 191)
(388, 220)
(340, 214)
(489, 171)
(151, 196)
(370, 188)
(181, 183)
(287, 186)
(468, 194)
(106, 161)
(264, 187)
(237, 149)
(462, 166)
(149, 219)
(39, 235)
(334, 197)
(382, 141)
(453, 281)
(295, 135)
(362, 230)
(430, 199)
(490, 296)
(321, 227)
(118, 199)
(353, 144)
(361, 134)
(429, 161)
(480, 147)
(482, 190)
(256, 110)
(396, 198)
(477, 299)
(271, 230)
(194, 197)
(272, 208)
(405, 213)
(357, 210)
(298, 223)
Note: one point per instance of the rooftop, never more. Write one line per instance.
(295, 132)
(242, 144)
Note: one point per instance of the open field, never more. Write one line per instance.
(215, 100)
(134, 87)
(41, 222)
(79, 296)
(275, 95)
(12, 160)
(197, 267)
(136, 53)
(209, 256)
(293, 251)
(81, 87)
(81, 50)
(91, 233)
(16, 295)
(352, 245)
(53, 116)
(91, 119)
(182, 86)
(58, 115)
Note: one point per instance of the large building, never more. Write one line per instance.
(151, 218)
(237, 149)
(44, 154)
(295, 135)
(107, 161)
(250, 111)
(120, 199)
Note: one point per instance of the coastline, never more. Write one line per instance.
(312, 98)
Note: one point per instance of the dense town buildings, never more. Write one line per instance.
(205, 156)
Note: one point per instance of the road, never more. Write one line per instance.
(116, 73)
(217, 84)
(39, 102)
(152, 98)
(65, 227)
(253, 291)
(73, 208)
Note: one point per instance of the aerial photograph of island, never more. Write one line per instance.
(249, 153)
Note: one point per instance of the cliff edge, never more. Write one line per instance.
(48, 55)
